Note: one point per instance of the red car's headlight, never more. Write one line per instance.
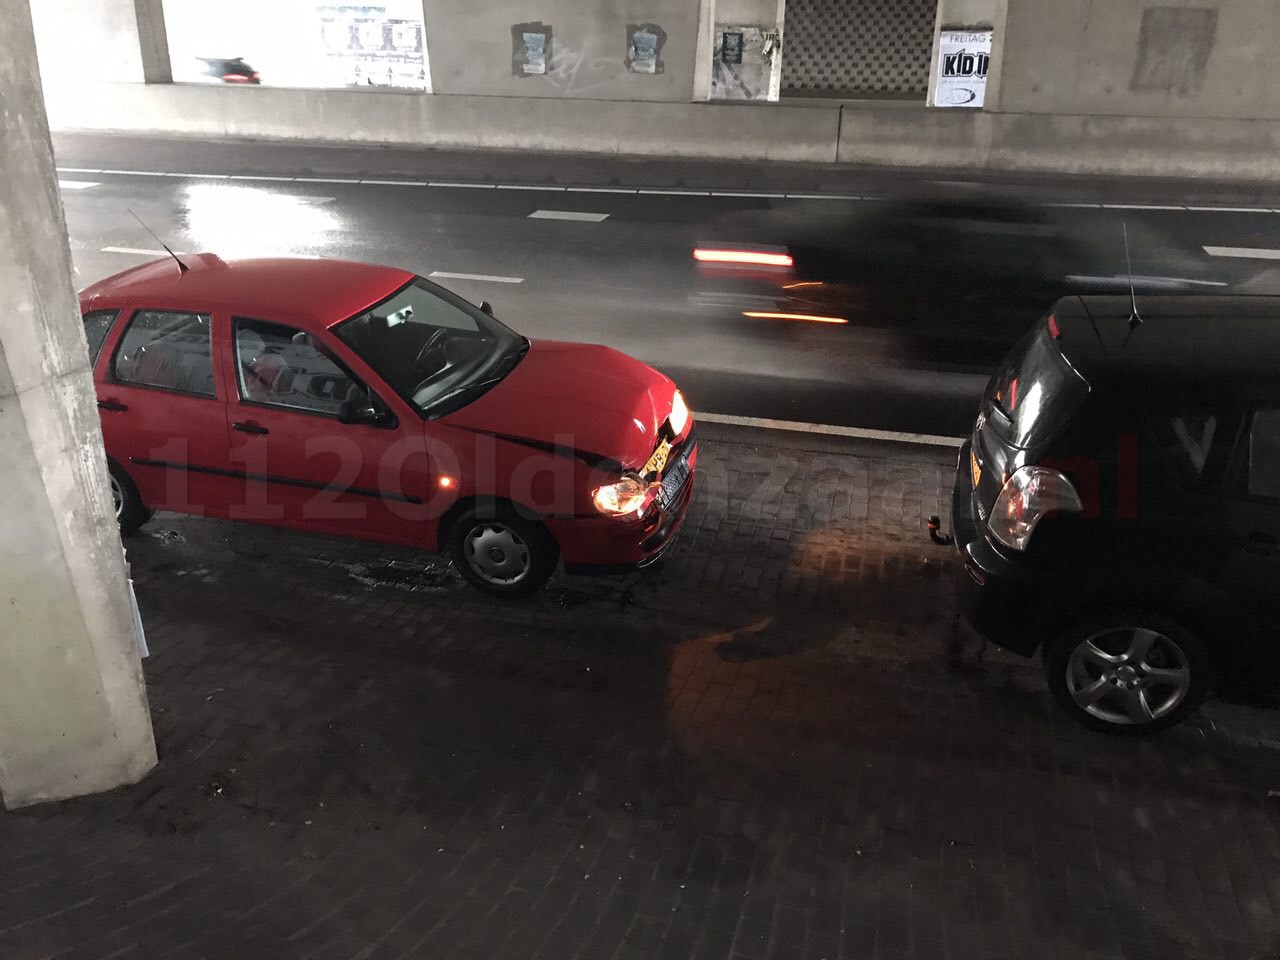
(628, 495)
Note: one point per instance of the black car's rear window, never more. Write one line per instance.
(1036, 389)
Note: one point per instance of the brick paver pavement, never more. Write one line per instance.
(782, 743)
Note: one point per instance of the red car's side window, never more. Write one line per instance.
(283, 367)
(167, 350)
(97, 324)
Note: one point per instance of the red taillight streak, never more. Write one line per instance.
(755, 258)
(1054, 330)
(235, 78)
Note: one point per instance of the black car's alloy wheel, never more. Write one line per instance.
(1127, 673)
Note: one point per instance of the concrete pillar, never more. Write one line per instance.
(73, 708)
(115, 40)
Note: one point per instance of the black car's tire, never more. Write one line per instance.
(131, 512)
(1127, 672)
(498, 551)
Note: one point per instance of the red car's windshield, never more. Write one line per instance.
(432, 347)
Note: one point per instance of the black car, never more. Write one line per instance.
(954, 277)
(1118, 504)
(229, 70)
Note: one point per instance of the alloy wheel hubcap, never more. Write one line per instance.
(497, 553)
(1128, 675)
(117, 497)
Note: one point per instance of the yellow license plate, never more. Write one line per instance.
(658, 462)
(975, 471)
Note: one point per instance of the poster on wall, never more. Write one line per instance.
(964, 57)
(366, 47)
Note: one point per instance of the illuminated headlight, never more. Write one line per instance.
(628, 495)
(679, 414)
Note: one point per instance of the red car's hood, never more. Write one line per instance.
(594, 399)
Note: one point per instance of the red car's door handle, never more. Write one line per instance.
(113, 405)
(249, 426)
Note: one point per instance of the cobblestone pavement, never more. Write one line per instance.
(781, 744)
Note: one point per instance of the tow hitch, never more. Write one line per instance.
(936, 534)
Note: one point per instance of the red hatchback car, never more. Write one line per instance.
(365, 401)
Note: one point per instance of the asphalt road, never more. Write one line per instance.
(602, 262)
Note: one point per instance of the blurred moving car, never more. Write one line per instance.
(1120, 497)
(365, 401)
(228, 70)
(945, 271)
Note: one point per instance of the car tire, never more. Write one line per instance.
(500, 552)
(131, 512)
(1127, 672)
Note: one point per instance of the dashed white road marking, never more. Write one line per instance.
(574, 215)
(460, 185)
(832, 430)
(601, 190)
(547, 188)
(1243, 253)
(77, 184)
(483, 277)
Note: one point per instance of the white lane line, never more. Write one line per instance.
(568, 215)
(446, 275)
(139, 251)
(1139, 206)
(77, 184)
(1083, 205)
(1243, 253)
(831, 430)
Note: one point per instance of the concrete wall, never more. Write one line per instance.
(741, 131)
(1193, 58)
(470, 48)
(909, 136)
(73, 710)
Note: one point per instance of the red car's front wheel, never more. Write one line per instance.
(502, 553)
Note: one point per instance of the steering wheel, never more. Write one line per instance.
(434, 342)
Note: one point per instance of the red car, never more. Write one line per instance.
(365, 401)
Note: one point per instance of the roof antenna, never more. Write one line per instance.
(182, 267)
(1135, 318)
